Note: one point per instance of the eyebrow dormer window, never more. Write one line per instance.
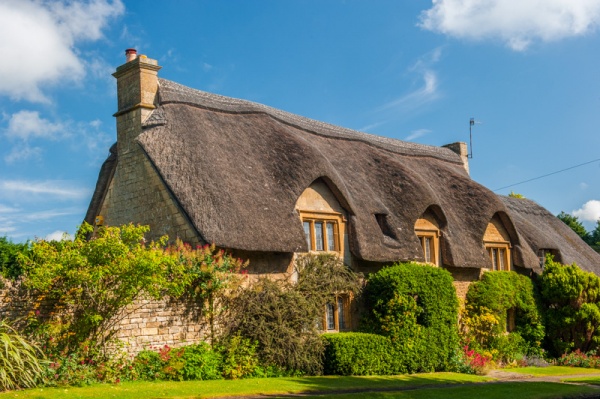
(322, 231)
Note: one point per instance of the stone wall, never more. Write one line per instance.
(463, 277)
(144, 324)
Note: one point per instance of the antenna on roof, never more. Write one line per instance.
(472, 123)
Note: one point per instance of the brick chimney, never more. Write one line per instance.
(461, 149)
(137, 85)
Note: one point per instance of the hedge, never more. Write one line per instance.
(357, 353)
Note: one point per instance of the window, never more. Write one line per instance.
(497, 244)
(337, 315)
(322, 231)
(428, 231)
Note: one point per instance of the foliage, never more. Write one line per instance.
(192, 362)
(575, 225)
(469, 361)
(415, 305)
(90, 283)
(571, 297)
(9, 252)
(484, 319)
(281, 317)
(578, 358)
(239, 358)
(208, 273)
(359, 354)
(20, 364)
(512, 194)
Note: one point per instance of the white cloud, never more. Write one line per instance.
(415, 134)
(26, 124)
(425, 94)
(371, 126)
(23, 153)
(590, 211)
(43, 34)
(518, 23)
(583, 185)
(59, 236)
(54, 188)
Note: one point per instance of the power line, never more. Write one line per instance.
(549, 174)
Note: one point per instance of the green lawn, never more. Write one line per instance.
(512, 390)
(553, 370)
(402, 387)
(212, 389)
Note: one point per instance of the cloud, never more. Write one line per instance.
(53, 188)
(428, 88)
(27, 124)
(415, 134)
(590, 211)
(23, 153)
(59, 236)
(42, 46)
(371, 126)
(516, 23)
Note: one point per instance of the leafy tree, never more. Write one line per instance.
(575, 225)
(516, 195)
(596, 237)
(9, 251)
(571, 299)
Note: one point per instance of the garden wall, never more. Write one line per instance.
(146, 322)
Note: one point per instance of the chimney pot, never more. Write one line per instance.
(130, 54)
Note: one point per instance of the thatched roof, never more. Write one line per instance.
(543, 230)
(237, 168)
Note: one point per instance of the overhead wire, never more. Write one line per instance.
(548, 174)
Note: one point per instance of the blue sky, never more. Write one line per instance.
(410, 70)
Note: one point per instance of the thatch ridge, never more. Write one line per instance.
(171, 92)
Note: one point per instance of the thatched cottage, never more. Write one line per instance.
(267, 185)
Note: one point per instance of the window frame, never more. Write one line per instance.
(434, 245)
(491, 247)
(345, 300)
(339, 227)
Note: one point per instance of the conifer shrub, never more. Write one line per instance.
(415, 305)
(571, 299)
(485, 322)
(358, 353)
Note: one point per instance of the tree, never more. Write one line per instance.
(575, 225)
(596, 237)
(9, 251)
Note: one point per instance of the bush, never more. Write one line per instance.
(359, 354)
(192, 362)
(415, 305)
(239, 358)
(148, 365)
(282, 317)
(579, 359)
(9, 252)
(200, 362)
(485, 317)
(20, 365)
(570, 297)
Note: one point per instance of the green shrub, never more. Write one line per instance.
(485, 317)
(415, 305)
(282, 317)
(359, 354)
(199, 362)
(570, 297)
(148, 365)
(20, 364)
(239, 358)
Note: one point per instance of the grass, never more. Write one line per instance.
(513, 390)
(553, 371)
(219, 388)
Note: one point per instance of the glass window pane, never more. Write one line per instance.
(427, 249)
(330, 236)
(319, 236)
(501, 255)
(341, 314)
(330, 316)
(307, 234)
(494, 259)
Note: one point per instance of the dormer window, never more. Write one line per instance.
(322, 231)
(428, 231)
(497, 244)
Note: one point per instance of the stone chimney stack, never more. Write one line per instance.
(461, 149)
(137, 86)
